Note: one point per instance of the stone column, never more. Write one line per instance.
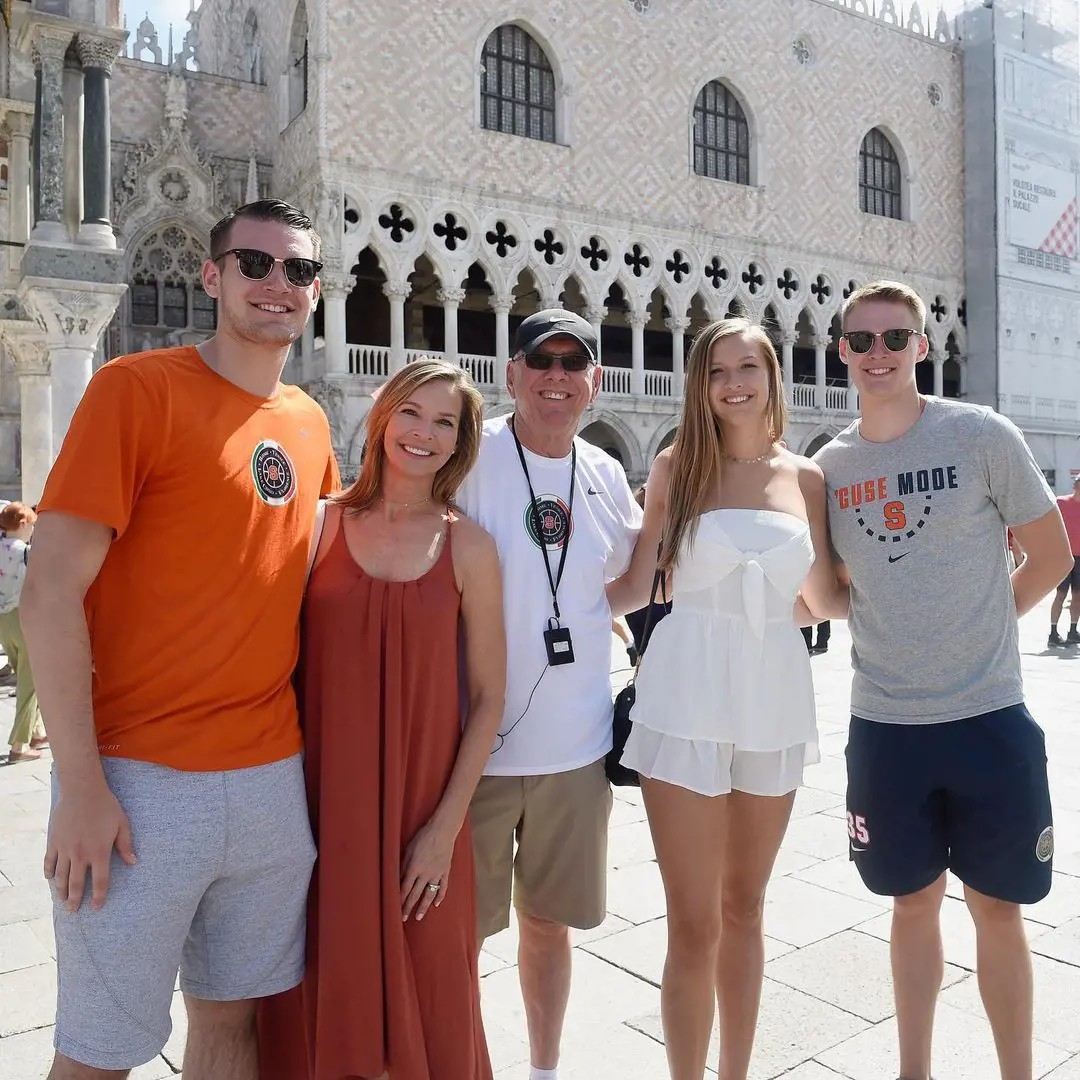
(334, 290)
(397, 292)
(73, 319)
(97, 55)
(637, 321)
(821, 343)
(73, 136)
(787, 344)
(501, 305)
(938, 360)
(678, 327)
(50, 46)
(31, 362)
(307, 349)
(595, 318)
(18, 126)
(451, 300)
(852, 401)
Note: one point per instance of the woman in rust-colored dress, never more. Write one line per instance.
(393, 755)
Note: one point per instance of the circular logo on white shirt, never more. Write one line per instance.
(554, 521)
(273, 473)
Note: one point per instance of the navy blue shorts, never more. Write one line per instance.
(969, 795)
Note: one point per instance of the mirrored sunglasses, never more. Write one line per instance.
(542, 361)
(256, 265)
(862, 341)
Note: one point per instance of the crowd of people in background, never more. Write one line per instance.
(321, 865)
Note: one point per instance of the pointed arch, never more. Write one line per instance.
(721, 135)
(519, 85)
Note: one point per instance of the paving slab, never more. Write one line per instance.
(27, 999)
(21, 948)
(29, 1055)
(1057, 1001)
(958, 933)
(963, 1050)
(826, 1001)
(793, 1027)
(641, 949)
(849, 970)
(800, 913)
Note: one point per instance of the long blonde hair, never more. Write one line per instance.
(394, 393)
(699, 442)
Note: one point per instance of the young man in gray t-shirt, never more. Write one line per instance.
(946, 767)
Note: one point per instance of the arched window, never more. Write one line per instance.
(879, 176)
(517, 85)
(166, 286)
(252, 59)
(721, 135)
(297, 73)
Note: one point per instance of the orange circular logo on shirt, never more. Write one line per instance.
(273, 473)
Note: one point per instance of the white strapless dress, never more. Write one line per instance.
(725, 683)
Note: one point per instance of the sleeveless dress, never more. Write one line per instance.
(379, 696)
(727, 671)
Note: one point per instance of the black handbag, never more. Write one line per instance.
(618, 774)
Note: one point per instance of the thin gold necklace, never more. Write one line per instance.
(751, 460)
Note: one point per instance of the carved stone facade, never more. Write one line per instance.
(440, 233)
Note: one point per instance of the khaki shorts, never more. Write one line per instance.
(559, 871)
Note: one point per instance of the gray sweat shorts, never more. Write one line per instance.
(219, 893)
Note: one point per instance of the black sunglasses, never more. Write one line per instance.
(256, 265)
(862, 341)
(542, 361)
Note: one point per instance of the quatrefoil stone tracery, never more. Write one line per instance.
(450, 232)
(396, 223)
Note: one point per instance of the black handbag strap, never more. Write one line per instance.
(659, 583)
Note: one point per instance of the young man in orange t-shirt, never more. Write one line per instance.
(161, 608)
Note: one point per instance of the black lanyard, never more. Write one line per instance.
(555, 580)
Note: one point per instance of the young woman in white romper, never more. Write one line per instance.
(724, 720)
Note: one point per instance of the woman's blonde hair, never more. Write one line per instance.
(398, 389)
(699, 442)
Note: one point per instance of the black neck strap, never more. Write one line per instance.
(555, 579)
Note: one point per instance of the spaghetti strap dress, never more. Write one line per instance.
(378, 687)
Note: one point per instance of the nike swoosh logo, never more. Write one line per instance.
(593, 491)
(897, 558)
(859, 848)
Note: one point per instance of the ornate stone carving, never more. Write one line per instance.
(26, 346)
(97, 52)
(328, 216)
(336, 286)
(176, 103)
(168, 170)
(72, 317)
(331, 398)
(50, 43)
(451, 297)
(174, 186)
(18, 125)
(677, 324)
(399, 291)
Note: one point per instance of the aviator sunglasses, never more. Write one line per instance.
(542, 361)
(862, 341)
(256, 265)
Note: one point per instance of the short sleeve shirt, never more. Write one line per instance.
(210, 492)
(920, 524)
(556, 718)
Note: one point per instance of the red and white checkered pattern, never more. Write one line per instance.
(1062, 238)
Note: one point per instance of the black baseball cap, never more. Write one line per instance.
(552, 322)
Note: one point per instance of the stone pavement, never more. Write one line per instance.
(827, 1007)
